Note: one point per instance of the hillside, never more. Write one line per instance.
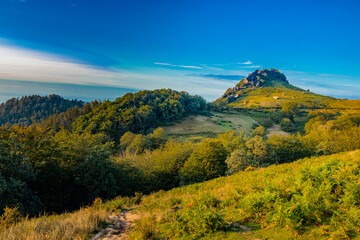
(29, 109)
(141, 112)
(312, 198)
(271, 89)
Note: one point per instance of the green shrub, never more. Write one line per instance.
(287, 125)
(260, 131)
(266, 122)
(194, 223)
(238, 161)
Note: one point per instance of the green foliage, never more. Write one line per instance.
(288, 148)
(144, 229)
(159, 169)
(138, 143)
(17, 175)
(266, 122)
(238, 161)
(30, 109)
(289, 109)
(259, 131)
(64, 120)
(327, 137)
(196, 220)
(233, 140)
(260, 152)
(139, 112)
(206, 162)
(287, 125)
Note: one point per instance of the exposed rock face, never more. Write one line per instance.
(256, 79)
(260, 78)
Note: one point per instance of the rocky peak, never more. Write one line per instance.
(260, 78)
(256, 79)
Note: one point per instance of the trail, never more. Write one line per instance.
(120, 227)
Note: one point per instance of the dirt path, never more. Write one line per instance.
(120, 227)
(276, 130)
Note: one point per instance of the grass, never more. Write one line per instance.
(81, 224)
(209, 126)
(77, 225)
(313, 198)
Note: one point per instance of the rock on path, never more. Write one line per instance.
(120, 227)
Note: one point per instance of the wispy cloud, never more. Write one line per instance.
(248, 62)
(326, 84)
(28, 66)
(181, 66)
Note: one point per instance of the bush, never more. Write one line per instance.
(288, 148)
(238, 161)
(9, 217)
(206, 162)
(266, 122)
(194, 222)
(259, 131)
(287, 125)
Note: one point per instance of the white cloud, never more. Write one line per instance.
(173, 65)
(19, 64)
(248, 62)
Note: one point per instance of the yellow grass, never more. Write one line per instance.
(209, 126)
(77, 225)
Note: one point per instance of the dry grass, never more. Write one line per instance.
(77, 225)
(209, 126)
(275, 130)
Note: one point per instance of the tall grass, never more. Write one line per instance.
(77, 225)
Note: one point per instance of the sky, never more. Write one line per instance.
(101, 49)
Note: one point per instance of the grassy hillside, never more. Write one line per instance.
(313, 198)
(316, 198)
(270, 89)
(209, 125)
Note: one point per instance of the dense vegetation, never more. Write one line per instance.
(314, 198)
(141, 112)
(30, 109)
(116, 148)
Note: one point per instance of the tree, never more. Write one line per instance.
(289, 109)
(232, 140)
(260, 152)
(206, 162)
(288, 148)
(239, 160)
(259, 131)
(287, 125)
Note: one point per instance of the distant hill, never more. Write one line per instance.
(138, 113)
(30, 109)
(270, 89)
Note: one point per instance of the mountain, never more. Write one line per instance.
(29, 109)
(270, 89)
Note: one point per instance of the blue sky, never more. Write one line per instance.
(100, 49)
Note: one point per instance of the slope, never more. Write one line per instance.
(313, 198)
(270, 89)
